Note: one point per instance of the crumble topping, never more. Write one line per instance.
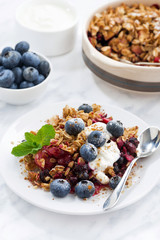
(127, 32)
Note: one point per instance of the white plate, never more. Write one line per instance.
(10, 169)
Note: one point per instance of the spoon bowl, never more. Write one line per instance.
(149, 141)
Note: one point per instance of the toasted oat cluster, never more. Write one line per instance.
(62, 159)
(127, 32)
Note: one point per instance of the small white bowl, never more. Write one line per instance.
(54, 40)
(26, 95)
(138, 78)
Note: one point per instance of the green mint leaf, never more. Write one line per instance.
(33, 142)
(36, 148)
(30, 137)
(45, 134)
(22, 149)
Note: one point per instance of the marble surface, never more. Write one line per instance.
(72, 80)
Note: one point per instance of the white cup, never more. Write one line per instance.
(51, 42)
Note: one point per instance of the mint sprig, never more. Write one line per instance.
(34, 142)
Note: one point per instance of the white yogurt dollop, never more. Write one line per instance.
(45, 16)
(107, 154)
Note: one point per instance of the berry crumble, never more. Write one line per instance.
(86, 151)
(127, 32)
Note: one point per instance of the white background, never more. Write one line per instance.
(21, 221)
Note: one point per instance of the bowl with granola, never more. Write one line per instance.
(70, 160)
(120, 44)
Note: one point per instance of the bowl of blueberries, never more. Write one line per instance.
(24, 74)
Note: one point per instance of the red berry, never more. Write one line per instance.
(156, 6)
(128, 157)
(130, 147)
(120, 144)
(156, 59)
(106, 120)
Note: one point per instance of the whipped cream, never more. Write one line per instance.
(107, 154)
(45, 16)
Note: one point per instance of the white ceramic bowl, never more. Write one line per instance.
(51, 42)
(26, 95)
(140, 78)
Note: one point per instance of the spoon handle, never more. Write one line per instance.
(115, 195)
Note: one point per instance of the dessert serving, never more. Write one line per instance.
(127, 32)
(81, 152)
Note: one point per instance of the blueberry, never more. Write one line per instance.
(60, 188)
(14, 86)
(43, 175)
(30, 84)
(39, 79)
(5, 50)
(84, 189)
(30, 74)
(1, 68)
(134, 141)
(23, 67)
(88, 152)
(120, 161)
(11, 59)
(86, 108)
(74, 126)
(83, 175)
(22, 47)
(115, 128)
(44, 68)
(6, 78)
(18, 74)
(116, 168)
(113, 182)
(0, 60)
(25, 84)
(30, 59)
(97, 138)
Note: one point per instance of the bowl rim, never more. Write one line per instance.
(68, 4)
(36, 86)
(99, 56)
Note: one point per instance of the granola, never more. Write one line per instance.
(127, 32)
(62, 159)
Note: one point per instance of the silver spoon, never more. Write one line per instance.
(149, 142)
(140, 63)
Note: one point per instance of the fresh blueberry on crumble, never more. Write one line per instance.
(60, 188)
(88, 152)
(113, 182)
(74, 126)
(115, 128)
(97, 138)
(84, 189)
(86, 108)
